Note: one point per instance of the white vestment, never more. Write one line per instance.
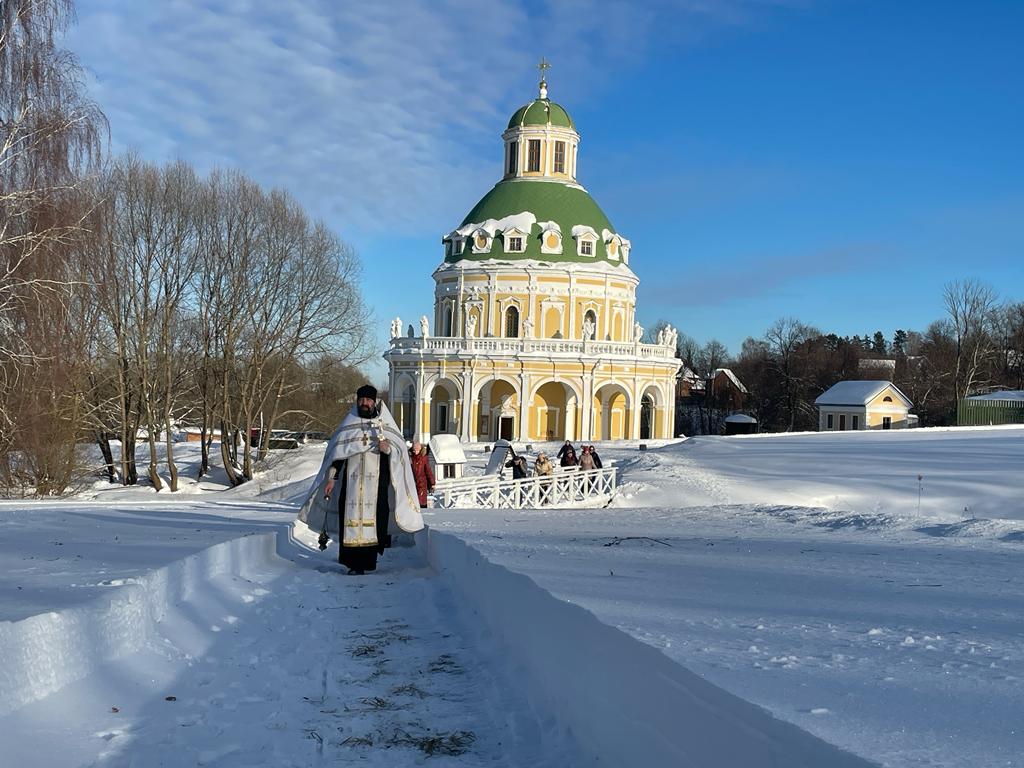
(357, 440)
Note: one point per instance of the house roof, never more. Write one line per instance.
(446, 449)
(857, 393)
(1006, 394)
(732, 378)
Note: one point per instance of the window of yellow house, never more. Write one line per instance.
(586, 248)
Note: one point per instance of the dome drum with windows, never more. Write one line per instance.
(534, 322)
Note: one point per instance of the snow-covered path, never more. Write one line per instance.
(300, 665)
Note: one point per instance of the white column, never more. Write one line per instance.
(467, 406)
(634, 430)
(524, 408)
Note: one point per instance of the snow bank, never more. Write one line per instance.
(623, 699)
(43, 653)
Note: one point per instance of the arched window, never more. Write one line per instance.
(590, 325)
(512, 323)
(448, 320)
(886, 399)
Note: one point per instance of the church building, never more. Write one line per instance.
(533, 334)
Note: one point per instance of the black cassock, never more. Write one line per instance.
(364, 558)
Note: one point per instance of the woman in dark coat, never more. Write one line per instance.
(421, 471)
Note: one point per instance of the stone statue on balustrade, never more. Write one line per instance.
(588, 329)
(528, 327)
(424, 326)
(396, 328)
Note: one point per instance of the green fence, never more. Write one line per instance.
(981, 413)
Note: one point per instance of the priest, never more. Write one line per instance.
(365, 486)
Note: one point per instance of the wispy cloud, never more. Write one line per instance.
(377, 115)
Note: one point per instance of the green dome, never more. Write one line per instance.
(541, 112)
(568, 206)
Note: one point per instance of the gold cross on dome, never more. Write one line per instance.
(543, 67)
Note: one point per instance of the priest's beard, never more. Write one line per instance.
(365, 412)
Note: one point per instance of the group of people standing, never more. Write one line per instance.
(588, 459)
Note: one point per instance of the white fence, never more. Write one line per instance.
(567, 488)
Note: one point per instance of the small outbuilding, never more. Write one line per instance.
(1002, 407)
(740, 424)
(448, 456)
(857, 405)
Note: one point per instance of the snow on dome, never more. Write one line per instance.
(583, 229)
(522, 221)
(1006, 394)
(603, 267)
(548, 226)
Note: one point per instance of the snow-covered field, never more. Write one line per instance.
(813, 577)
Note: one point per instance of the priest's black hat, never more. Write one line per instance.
(366, 391)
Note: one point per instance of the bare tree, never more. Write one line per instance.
(50, 134)
(783, 339)
(970, 306)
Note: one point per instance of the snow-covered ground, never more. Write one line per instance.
(813, 576)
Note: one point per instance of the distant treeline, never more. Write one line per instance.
(977, 347)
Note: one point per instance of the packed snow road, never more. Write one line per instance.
(297, 665)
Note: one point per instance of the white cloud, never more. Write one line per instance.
(376, 115)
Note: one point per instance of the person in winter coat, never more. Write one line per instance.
(421, 471)
(569, 458)
(518, 465)
(597, 458)
(587, 460)
(543, 469)
(566, 446)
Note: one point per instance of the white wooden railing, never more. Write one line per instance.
(452, 344)
(568, 488)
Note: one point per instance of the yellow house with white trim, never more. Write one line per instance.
(850, 405)
(535, 334)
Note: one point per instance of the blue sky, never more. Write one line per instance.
(837, 161)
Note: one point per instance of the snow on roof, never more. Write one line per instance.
(856, 393)
(1006, 394)
(545, 226)
(740, 418)
(583, 229)
(446, 449)
(599, 265)
(522, 221)
(732, 378)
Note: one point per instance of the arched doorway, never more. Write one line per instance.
(497, 407)
(553, 412)
(444, 415)
(647, 414)
(611, 413)
(405, 408)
